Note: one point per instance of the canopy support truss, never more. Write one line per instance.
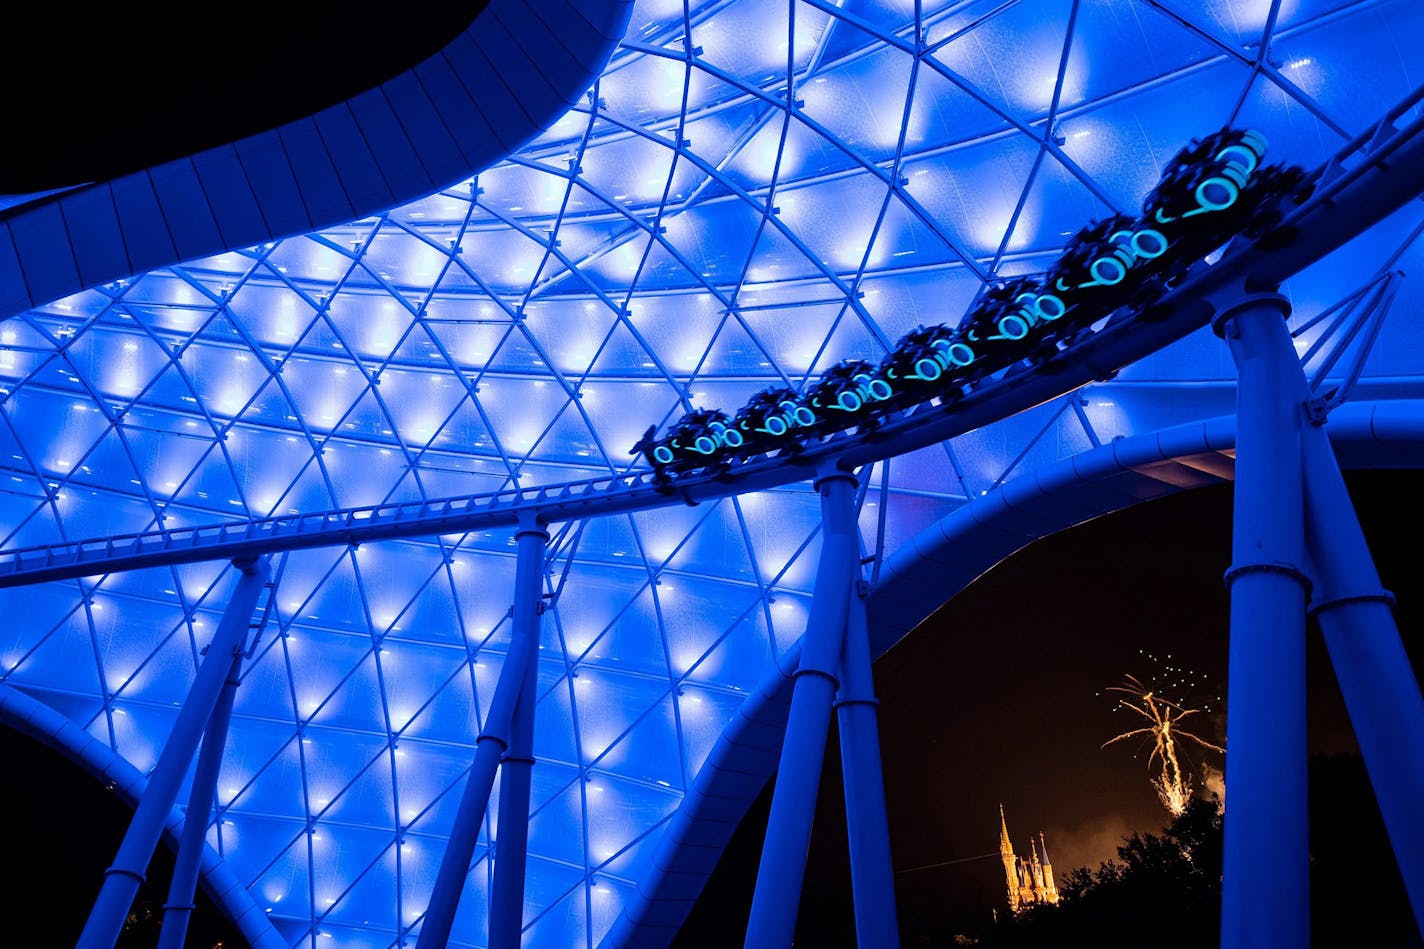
(507, 737)
(126, 874)
(834, 671)
(1297, 538)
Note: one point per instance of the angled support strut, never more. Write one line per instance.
(512, 830)
(123, 878)
(872, 876)
(1294, 516)
(798, 777)
(178, 909)
(492, 745)
(1381, 693)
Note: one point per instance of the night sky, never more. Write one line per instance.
(93, 91)
(997, 698)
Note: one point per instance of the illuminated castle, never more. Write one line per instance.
(1029, 881)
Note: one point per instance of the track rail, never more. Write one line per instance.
(1371, 177)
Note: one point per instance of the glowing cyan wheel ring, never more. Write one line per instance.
(732, 438)
(1236, 174)
(1149, 244)
(662, 454)
(708, 441)
(1252, 160)
(776, 425)
(1107, 265)
(960, 354)
(1014, 317)
(1209, 194)
(1047, 312)
(804, 416)
(928, 369)
(880, 390)
(841, 400)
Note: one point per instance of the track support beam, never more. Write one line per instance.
(490, 748)
(178, 909)
(126, 874)
(512, 831)
(798, 777)
(1266, 873)
(872, 876)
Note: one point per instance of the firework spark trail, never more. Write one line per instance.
(1164, 717)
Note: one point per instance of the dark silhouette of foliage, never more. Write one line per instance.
(1175, 875)
(1165, 889)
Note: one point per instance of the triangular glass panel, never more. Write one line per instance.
(556, 828)
(358, 790)
(274, 785)
(704, 713)
(357, 703)
(62, 659)
(648, 753)
(368, 899)
(560, 922)
(1012, 58)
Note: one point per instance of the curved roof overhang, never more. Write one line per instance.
(512, 73)
(938, 563)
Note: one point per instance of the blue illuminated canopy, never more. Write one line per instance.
(747, 194)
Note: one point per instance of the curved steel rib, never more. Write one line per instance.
(518, 67)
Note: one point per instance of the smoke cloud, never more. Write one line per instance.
(1214, 782)
(1085, 845)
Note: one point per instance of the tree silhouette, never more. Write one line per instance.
(1165, 889)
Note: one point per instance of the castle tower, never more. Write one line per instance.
(1029, 879)
(1050, 890)
(1011, 869)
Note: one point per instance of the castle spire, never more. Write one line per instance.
(1050, 888)
(1012, 878)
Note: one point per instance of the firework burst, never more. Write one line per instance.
(1163, 717)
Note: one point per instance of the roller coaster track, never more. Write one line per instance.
(1374, 175)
